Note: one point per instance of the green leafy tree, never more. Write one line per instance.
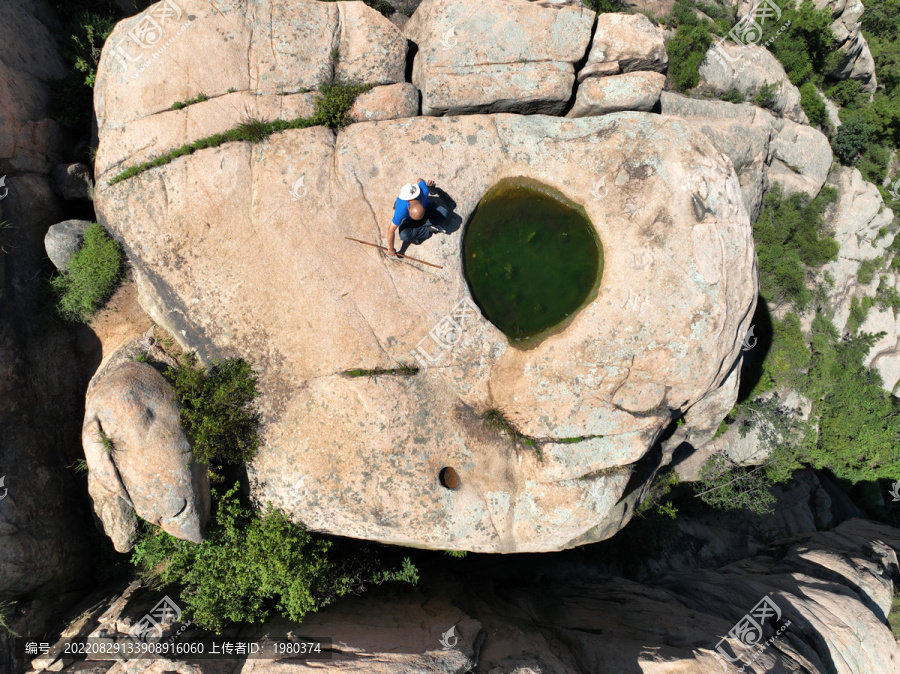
(218, 410)
(813, 105)
(806, 47)
(251, 565)
(851, 139)
(791, 240)
(687, 48)
(858, 422)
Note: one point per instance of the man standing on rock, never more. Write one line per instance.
(415, 216)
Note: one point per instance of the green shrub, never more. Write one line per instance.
(85, 28)
(723, 484)
(858, 312)
(91, 276)
(767, 96)
(332, 106)
(791, 239)
(851, 138)
(603, 6)
(789, 356)
(813, 105)
(874, 163)
(218, 410)
(847, 94)
(251, 565)
(858, 422)
(866, 272)
(687, 49)
(733, 96)
(660, 488)
(805, 47)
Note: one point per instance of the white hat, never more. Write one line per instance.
(409, 192)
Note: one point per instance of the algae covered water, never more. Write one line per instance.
(531, 258)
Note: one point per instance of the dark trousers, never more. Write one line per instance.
(417, 231)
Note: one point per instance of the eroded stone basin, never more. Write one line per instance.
(531, 257)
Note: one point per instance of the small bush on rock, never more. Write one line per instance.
(813, 105)
(218, 410)
(767, 96)
(791, 239)
(688, 46)
(91, 276)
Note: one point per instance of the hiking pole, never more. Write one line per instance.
(407, 257)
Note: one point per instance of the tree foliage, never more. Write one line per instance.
(251, 565)
(791, 240)
(687, 48)
(218, 410)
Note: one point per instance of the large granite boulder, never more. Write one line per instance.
(742, 132)
(747, 68)
(670, 217)
(801, 158)
(271, 60)
(763, 148)
(629, 91)
(497, 55)
(393, 101)
(623, 43)
(662, 334)
(138, 456)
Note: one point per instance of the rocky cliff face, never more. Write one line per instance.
(240, 251)
(826, 592)
(41, 394)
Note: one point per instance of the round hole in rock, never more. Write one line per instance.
(532, 258)
(449, 478)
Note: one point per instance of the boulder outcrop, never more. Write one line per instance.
(747, 69)
(497, 55)
(764, 149)
(337, 457)
(859, 221)
(629, 91)
(138, 456)
(63, 240)
(623, 43)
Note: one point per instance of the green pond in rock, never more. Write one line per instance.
(531, 257)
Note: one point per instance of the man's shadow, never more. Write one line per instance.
(451, 224)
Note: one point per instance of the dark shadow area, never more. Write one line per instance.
(753, 358)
